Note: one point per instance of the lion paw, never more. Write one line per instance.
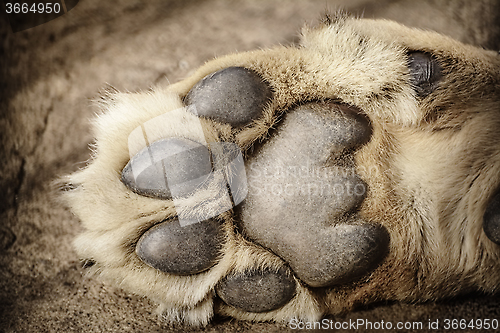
(296, 182)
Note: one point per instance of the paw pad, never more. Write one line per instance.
(173, 165)
(301, 203)
(491, 220)
(425, 73)
(182, 250)
(233, 95)
(257, 290)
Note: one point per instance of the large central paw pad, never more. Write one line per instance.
(302, 198)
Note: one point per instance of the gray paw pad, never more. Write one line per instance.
(491, 220)
(182, 250)
(168, 167)
(300, 202)
(425, 73)
(257, 290)
(233, 95)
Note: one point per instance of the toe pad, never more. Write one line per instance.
(168, 167)
(258, 290)
(233, 95)
(182, 250)
(491, 220)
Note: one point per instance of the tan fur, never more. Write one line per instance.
(431, 166)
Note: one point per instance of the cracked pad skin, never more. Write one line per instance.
(409, 117)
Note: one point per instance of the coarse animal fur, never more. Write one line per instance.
(431, 166)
